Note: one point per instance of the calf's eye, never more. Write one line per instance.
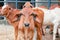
(34, 15)
(19, 15)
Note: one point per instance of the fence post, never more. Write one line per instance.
(5, 2)
(33, 2)
(16, 4)
(49, 3)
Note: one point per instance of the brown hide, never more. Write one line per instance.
(11, 15)
(26, 31)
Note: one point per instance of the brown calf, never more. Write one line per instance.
(26, 24)
(10, 14)
(38, 16)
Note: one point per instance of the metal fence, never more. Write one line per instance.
(33, 2)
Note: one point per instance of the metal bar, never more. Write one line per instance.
(4, 2)
(55, 1)
(23, 1)
(32, 1)
(49, 3)
(7, 1)
(16, 4)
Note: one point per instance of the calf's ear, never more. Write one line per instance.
(38, 20)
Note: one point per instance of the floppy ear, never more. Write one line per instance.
(38, 20)
(40, 15)
(17, 18)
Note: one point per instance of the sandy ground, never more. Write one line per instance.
(7, 33)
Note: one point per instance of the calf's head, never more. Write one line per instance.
(5, 9)
(26, 18)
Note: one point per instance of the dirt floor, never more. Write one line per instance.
(7, 33)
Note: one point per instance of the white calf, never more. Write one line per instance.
(51, 17)
(47, 17)
(56, 20)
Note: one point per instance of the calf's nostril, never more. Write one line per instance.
(26, 24)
